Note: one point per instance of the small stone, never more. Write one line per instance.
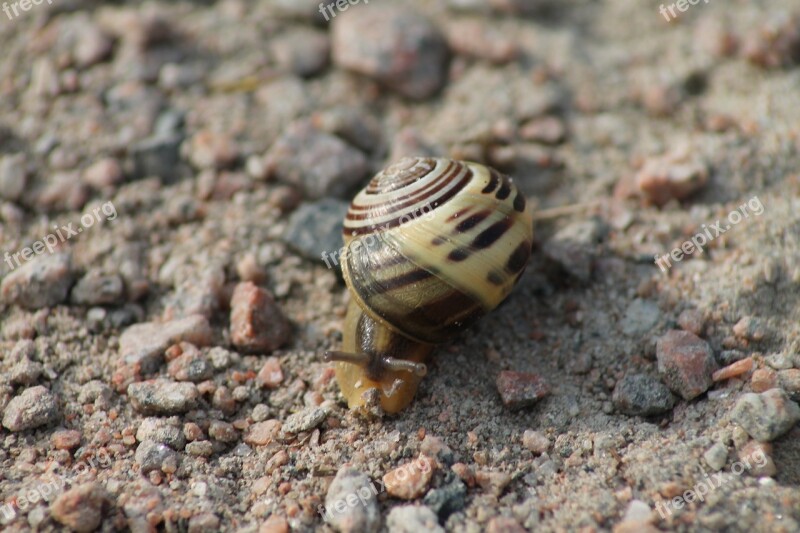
(728, 357)
(504, 524)
(356, 125)
(394, 45)
(493, 482)
(465, 473)
(573, 247)
(164, 431)
(763, 380)
(305, 420)
(202, 448)
(160, 397)
(413, 519)
(67, 439)
(271, 374)
(521, 389)
(790, 382)
(34, 407)
(257, 322)
(640, 317)
(224, 400)
(692, 320)
(262, 433)
(81, 508)
(350, 504)
(321, 164)
(191, 365)
(535, 442)
(716, 456)
(25, 372)
(766, 416)
(750, 328)
(675, 175)
(208, 149)
(104, 173)
(248, 269)
(203, 522)
(411, 480)
(315, 231)
(222, 431)
(145, 343)
(473, 38)
(13, 176)
(685, 362)
(779, 361)
(157, 156)
(447, 499)
(96, 288)
(94, 390)
(42, 282)
(151, 456)
(547, 130)
(756, 458)
(733, 370)
(303, 52)
(274, 524)
(435, 448)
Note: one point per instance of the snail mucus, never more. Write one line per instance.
(431, 245)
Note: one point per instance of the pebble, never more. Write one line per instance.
(412, 519)
(356, 125)
(198, 294)
(640, 317)
(750, 328)
(521, 389)
(757, 459)
(104, 173)
(42, 282)
(191, 365)
(202, 448)
(156, 156)
(274, 524)
(504, 524)
(315, 231)
(790, 382)
(393, 45)
(67, 439)
(685, 362)
(321, 164)
(779, 361)
(13, 176)
(25, 372)
(733, 370)
(96, 288)
(151, 456)
(167, 431)
(411, 480)
(642, 395)
(472, 37)
(160, 397)
(32, 408)
(257, 323)
(63, 192)
(763, 379)
(204, 522)
(728, 357)
(692, 320)
(303, 52)
(211, 150)
(573, 247)
(435, 447)
(766, 416)
(351, 504)
(545, 130)
(271, 374)
(222, 431)
(262, 433)
(144, 344)
(492, 482)
(774, 43)
(81, 508)
(449, 498)
(305, 420)
(535, 441)
(92, 46)
(677, 175)
(716, 456)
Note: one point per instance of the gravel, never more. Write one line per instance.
(351, 504)
(642, 395)
(34, 407)
(766, 416)
(686, 363)
(161, 397)
(42, 282)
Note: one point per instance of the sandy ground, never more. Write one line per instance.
(212, 144)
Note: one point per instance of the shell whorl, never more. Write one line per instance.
(433, 244)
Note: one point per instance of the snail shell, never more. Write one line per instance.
(431, 245)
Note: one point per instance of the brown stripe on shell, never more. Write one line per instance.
(519, 202)
(459, 254)
(493, 181)
(495, 278)
(491, 234)
(519, 257)
(472, 221)
(504, 190)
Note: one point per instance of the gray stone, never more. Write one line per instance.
(151, 455)
(43, 282)
(165, 431)
(351, 504)
(13, 176)
(96, 288)
(144, 344)
(766, 416)
(413, 519)
(640, 317)
(642, 395)
(448, 498)
(35, 407)
(315, 229)
(305, 420)
(716, 456)
(156, 156)
(161, 397)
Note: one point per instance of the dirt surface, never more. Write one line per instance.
(161, 367)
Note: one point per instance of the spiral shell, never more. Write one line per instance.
(434, 244)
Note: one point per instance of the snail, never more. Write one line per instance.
(431, 245)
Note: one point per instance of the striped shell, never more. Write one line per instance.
(434, 244)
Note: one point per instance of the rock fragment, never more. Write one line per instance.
(535, 441)
(271, 374)
(165, 431)
(160, 397)
(521, 389)
(34, 407)
(766, 416)
(315, 231)
(351, 504)
(305, 420)
(13, 176)
(151, 456)
(394, 45)
(257, 322)
(262, 433)
(676, 175)
(42, 282)
(642, 395)
(686, 363)
(733, 370)
(716, 456)
(81, 508)
(145, 343)
(304, 52)
(96, 288)
(411, 480)
(412, 519)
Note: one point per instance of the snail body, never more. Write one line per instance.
(431, 245)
